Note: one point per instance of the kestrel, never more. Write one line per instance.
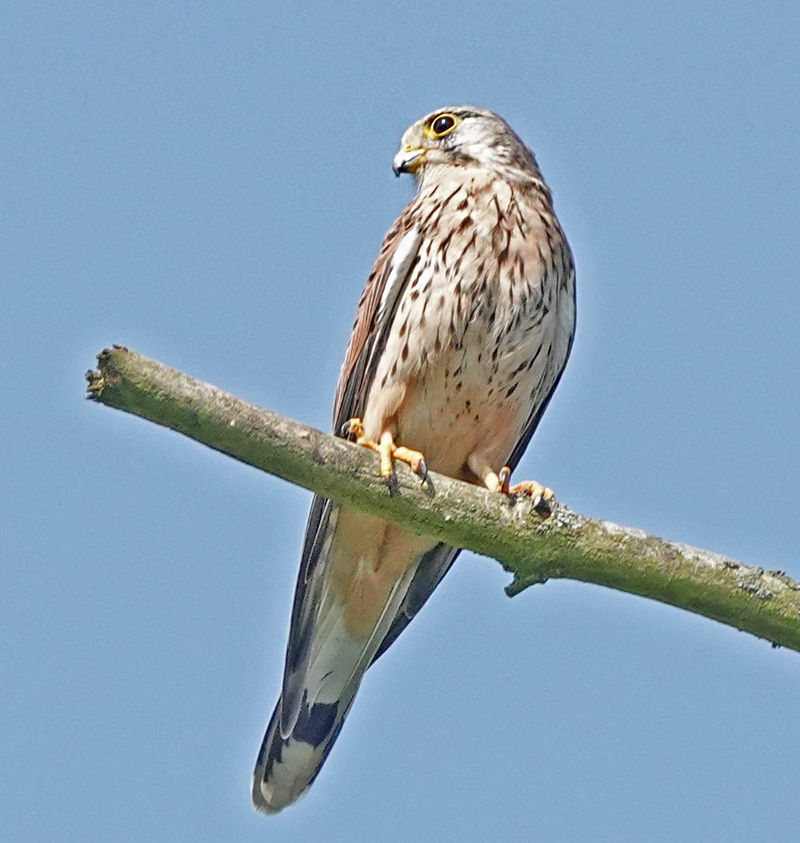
(460, 337)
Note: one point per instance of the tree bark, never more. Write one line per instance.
(531, 546)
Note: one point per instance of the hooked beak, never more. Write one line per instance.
(408, 160)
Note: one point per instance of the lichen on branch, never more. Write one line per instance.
(533, 548)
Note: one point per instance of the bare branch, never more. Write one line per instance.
(564, 545)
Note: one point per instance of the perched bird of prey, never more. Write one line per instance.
(460, 337)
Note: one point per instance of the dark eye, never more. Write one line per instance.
(443, 124)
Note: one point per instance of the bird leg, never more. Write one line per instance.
(484, 472)
(540, 495)
(387, 450)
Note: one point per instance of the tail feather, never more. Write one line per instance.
(287, 766)
(297, 742)
(325, 662)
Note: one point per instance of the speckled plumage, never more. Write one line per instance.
(461, 335)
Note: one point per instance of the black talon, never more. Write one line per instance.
(422, 470)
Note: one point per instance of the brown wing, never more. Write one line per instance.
(397, 257)
(396, 260)
(373, 318)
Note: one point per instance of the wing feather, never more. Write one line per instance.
(376, 309)
(373, 318)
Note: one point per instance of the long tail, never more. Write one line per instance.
(325, 666)
(299, 737)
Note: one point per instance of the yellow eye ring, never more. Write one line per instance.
(441, 125)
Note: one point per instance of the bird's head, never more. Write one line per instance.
(463, 136)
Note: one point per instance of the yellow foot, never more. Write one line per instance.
(354, 427)
(387, 450)
(540, 495)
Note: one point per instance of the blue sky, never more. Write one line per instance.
(208, 184)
